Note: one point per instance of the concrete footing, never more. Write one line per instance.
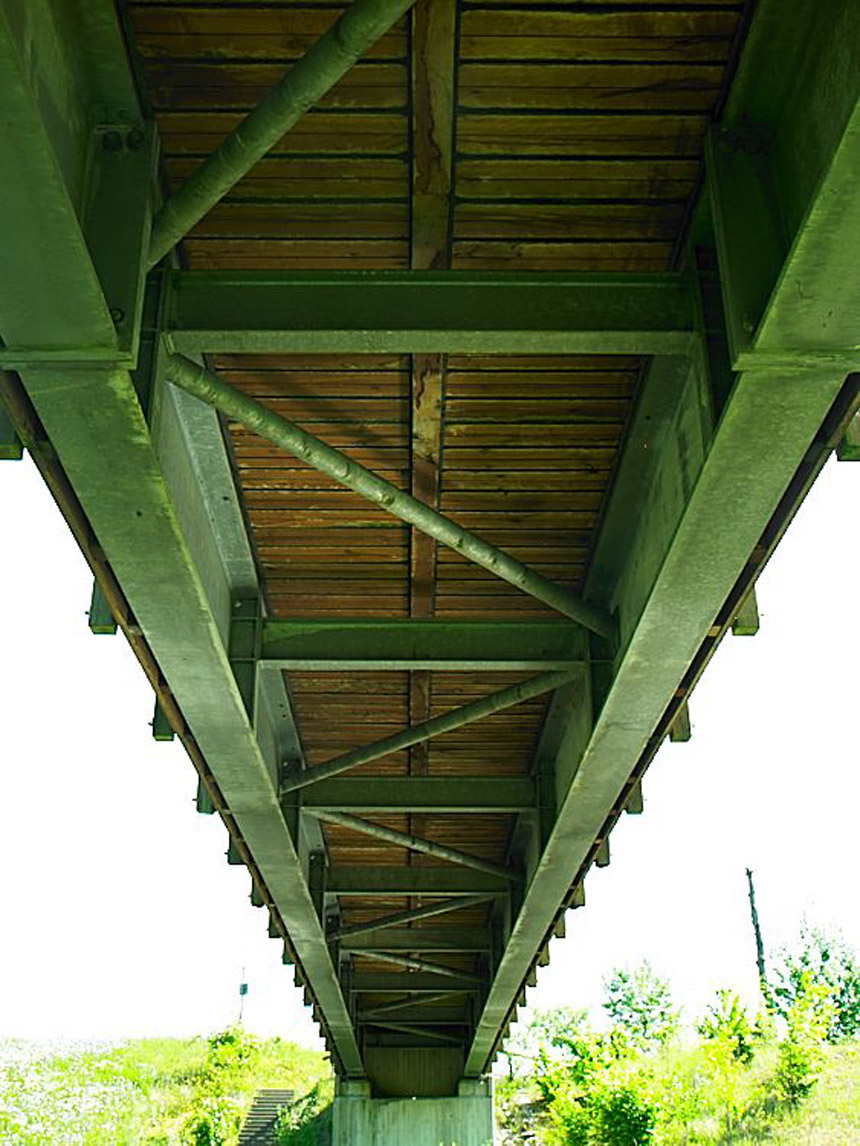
(463, 1120)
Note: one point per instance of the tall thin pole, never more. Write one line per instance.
(759, 943)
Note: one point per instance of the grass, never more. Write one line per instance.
(151, 1092)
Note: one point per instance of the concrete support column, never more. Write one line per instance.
(462, 1120)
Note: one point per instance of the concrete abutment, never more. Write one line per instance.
(464, 1119)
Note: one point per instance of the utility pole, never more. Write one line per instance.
(759, 944)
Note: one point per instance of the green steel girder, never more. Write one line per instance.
(327, 645)
(58, 74)
(11, 447)
(783, 171)
(454, 718)
(430, 312)
(419, 939)
(422, 794)
(419, 982)
(388, 882)
(413, 915)
(233, 403)
(416, 843)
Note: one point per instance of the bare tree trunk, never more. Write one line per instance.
(759, 944)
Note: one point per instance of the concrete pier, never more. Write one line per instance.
(465, 1119)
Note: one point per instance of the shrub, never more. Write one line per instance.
(639, 1003)
(801, 1052)
(215, 1120)
(623, 1117)
(726, 1020)
(826, 959)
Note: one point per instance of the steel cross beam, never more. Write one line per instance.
(415, 843)
(465, 794)
(333, 645)
(429, 312)
(361, 25)
(209, 388)
(399, 918)
(456, 718)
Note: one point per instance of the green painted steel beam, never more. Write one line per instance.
(100, 617)
(328, 645)
(501, 794)
(783, 172)
(420, 1032)
(456, 718)
(11, 447)
(210, 388)
(162, 729)
(428, 312)
(408, 1002)
(416, 881)
(331, 57)
(398, 960)
(415, 843)
(848, 449)
(418, 939)
(400, 918)
(419, 982)
(63, 69)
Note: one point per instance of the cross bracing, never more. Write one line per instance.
(517, 398)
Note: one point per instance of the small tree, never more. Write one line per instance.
(726, 1021)
(639, 1003)
(801, 1055)
(825, 959)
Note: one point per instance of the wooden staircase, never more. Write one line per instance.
(258, 1128)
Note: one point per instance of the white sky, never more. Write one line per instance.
(119, 915)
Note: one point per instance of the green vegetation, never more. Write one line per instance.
(787, 1076)
(152, 1092)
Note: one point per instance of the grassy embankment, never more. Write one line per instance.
(152, 1092)
(705, 1098)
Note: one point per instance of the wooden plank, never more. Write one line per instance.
(646, 177)
(651, 136)
(609, 257)
(577, 86)
(610, 222)
(341, 133)
(181, 85)
(433, 77)
(282, 34)
(311, 177)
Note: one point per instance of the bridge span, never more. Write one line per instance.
(426, 385)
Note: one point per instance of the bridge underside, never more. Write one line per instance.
(425, 445)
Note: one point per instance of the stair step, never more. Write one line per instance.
(258, 1128)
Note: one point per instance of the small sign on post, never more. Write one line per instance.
(243, 991)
